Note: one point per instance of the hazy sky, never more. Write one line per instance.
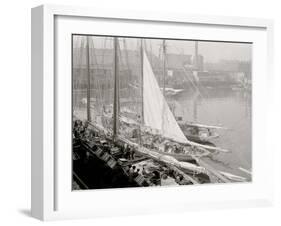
(212, 51)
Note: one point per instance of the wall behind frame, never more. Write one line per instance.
(15, 111)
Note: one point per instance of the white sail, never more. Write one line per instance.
(157, 114)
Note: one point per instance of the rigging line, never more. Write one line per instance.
(196, 87)
(127, 61)
(104, 75)
(99, 98)
(120, 66)
(116, 103)
(192, 83)
(126, 64)
(164, 75)
(104, 48)
(103, 65)
(141, 92)
(151, 56)
(166, 61)
(198, 84)
(118, 52)
(83, 51)
(92, 77)
(145, 47)
(78, 60)
(88, 80)
(142, 49)
(126, 53)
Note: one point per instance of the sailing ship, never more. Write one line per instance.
(154, 134)
(157, 114)
(200, 133)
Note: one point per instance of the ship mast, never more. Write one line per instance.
(195, 74)
(142, 103)
(141, 89)
(116, 90)
(164, 66)
(88, 79)
(196, 55)
(164, 80)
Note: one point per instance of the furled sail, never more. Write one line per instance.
(157, 114)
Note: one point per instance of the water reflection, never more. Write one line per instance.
(226, 107)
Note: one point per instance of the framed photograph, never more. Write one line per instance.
(136, 112)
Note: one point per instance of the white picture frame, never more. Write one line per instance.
(47, 175)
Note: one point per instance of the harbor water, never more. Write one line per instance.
(229, 108)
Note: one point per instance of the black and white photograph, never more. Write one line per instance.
(140, 113)
(160, 112)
